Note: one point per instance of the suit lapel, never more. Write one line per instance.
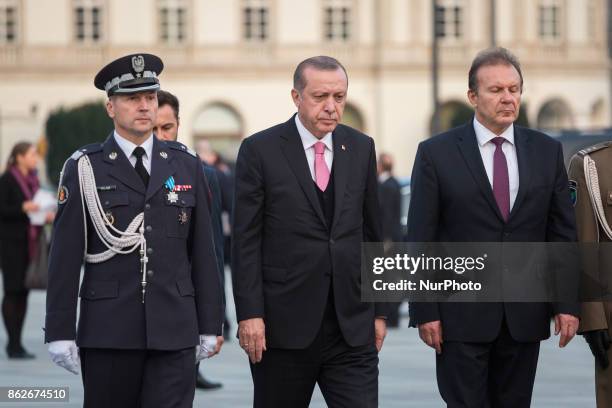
(523, 155)
(340, 171)
(293, 149)
(468, 145)
(162, 167)
(121, 168)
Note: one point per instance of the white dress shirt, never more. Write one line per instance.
(487, 149)
(309, 140)
(128, 147)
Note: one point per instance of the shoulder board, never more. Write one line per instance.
(594, 148)
(90, 148)
(181, 147)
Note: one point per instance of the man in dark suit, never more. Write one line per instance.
(136, 212)
(490, 181)
(305, 199)
(166, 128)
(390, 197)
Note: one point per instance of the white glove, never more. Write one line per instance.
(65, 353)
(206, 348)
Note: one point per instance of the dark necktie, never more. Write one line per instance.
(501, 183)
(140, 168)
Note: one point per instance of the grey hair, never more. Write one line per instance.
(321, 63)
(492, 56)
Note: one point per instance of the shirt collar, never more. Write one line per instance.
(308, 139)
(128, 147)
(484, 135)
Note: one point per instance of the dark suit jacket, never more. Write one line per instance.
(282, 245)
(215, 215)
(452, 201)
(390, 198)
(183, 294)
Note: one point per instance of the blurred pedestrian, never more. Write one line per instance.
(18, 240)
(390, 198)
(225, 176)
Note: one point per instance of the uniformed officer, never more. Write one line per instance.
(135, 211)
(590, 177)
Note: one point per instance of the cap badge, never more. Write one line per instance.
(138, 64)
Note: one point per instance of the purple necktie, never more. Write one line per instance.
(501, 184)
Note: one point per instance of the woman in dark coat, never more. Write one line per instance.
(18, 240)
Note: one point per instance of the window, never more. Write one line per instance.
(337, 20)
(449, 19)
(172, 21)
(549, 20)
(88, 20)
(8, 21)
(256, 14)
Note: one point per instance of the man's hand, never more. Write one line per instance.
(252, 338)
(431, 334)
(65, 353)
(380, 332)
(208, 347)
(567, 325)
(599, 343)
(29, 206)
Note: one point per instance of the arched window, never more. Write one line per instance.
(453, 114)
(222, 126)
(598, 114)
(353, 118)
(555, 115)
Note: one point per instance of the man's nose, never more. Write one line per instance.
(329, 107)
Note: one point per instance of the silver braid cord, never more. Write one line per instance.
(124, 242)
(592, 182)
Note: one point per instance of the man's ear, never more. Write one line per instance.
(110, 108)
(473, 98)
(295, 95)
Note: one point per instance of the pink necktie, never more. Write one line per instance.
(321, 170)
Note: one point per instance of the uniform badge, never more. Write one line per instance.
(110, 217)
(182, 218)
(163, 155)
(62, 195)
(112, 155)
(138, 64)
(182, 187)
(573, 190)
(172, 197)
(343, 147)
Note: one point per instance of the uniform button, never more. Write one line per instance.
(149, 228)
(92, 292)
(149, 251)
(147, 206)
(506, 234)
(149, 273)
(106, 202)
(331, 241)
(183, 202)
